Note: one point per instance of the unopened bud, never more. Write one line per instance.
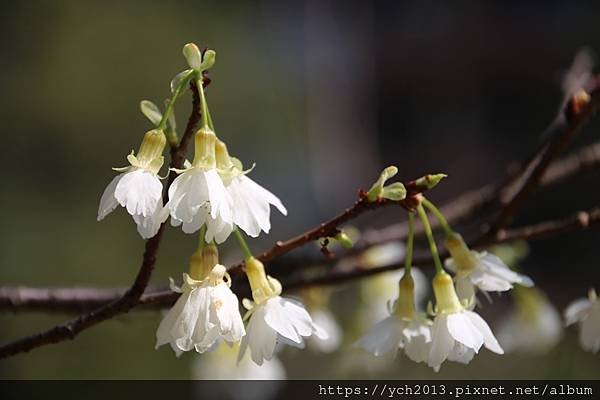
(192, 55)
(344, 240)
(429, 181)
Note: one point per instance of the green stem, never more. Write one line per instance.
(432, 246)
(440, 217)
(163, 122)
(203, 105)
(210, 121)
(409, 244)
(201, 240)
(245, 249)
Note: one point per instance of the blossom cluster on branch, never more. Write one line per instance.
(213, 197)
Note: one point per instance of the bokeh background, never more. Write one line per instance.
(321, 95)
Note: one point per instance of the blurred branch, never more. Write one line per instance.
(131, 296)
(471, 202)
(576, 112)
(65, 300)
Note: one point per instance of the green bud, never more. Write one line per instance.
(377, 189)
(396, 192)
(192, 55)
(208, 60)
(151, 111)
(344, 240)
(430, 181)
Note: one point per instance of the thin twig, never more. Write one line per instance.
(130, 298)
(70, 300)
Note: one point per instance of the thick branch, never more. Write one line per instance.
(71, 300)
(131, 297)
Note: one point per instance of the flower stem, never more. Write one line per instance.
(243, 244)
(432, 246)
(409, 244)
(163, 122)
(440, 217)
(203, 105)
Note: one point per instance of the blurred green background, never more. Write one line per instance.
(321, 95)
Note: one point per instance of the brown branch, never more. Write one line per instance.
(330, 228)
(130, 298)
(577, 111)
(70, 300)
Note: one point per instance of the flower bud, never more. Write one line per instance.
(204, 151)
(344, 240)
(377, 188)
(192, 55)
(429, 181)
(445, 295)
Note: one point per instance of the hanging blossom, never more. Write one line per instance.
(534, 326)
(404, 328)
(273, 319)
(457, 333)
(586, 312)
(206, 311)
(251, 203)
(138, 187)
(198, 196)
(480, 270)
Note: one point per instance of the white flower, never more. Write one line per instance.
(221, 365)
(205, 312)
(587, 313)
(198, 196)
(251, 205)
(414, 336)
(404, 328)
(138, 187)
(325, 319)
(480, 270)
(273, 318)
(533, 327)
(278, 319)
(457, 333)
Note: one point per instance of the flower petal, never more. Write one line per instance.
(488, 337)
(577, 311)
(108, 202)
(462, 330)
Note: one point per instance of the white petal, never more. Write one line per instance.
(260, 337)
(590, 330)
(163, 333)
(139, 191)
(462, 330)
(277, 319)
(488, 337)
(108, 202)
(464, 288)
(461, 353)
(495, 266)
(220, 200)
(266, 195)
(148, 226)
(298, 315)
(577, 311)
(441, 342)
(384, 337)
(327, 331)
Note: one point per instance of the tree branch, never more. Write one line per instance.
(122, 304)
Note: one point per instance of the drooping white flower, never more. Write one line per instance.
(206, 311)
(480, 270)
(198, 196)
(402, 329)
(457, 333)
(587, 313)
(534, 326)
(251, 203)
(138, 187)
(221, 365)
(273, 318)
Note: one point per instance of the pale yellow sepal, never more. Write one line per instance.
(464, 259)
(404, 307)
(447, 301)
